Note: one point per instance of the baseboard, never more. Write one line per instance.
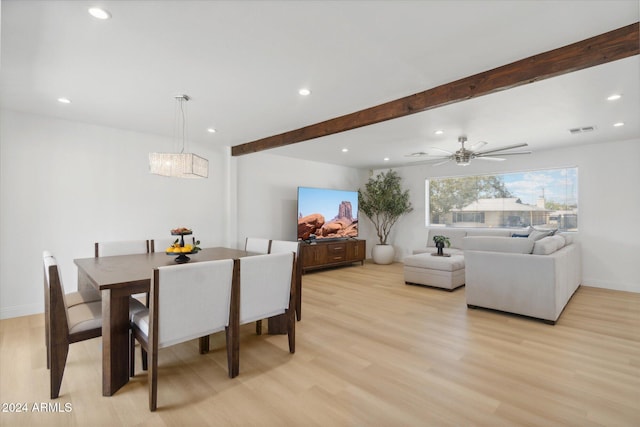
(616, 286)
(20, 310)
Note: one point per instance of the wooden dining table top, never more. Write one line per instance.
(119, 271)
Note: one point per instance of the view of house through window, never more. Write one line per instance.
(544, 199)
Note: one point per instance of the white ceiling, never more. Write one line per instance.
(242, 62)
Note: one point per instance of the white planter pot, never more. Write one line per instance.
(383, 254)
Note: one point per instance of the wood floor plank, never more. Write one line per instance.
(370, 351)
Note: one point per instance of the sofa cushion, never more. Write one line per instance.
(548, 245)
(498, 244)
(455, 236)
(491, 232)
(568, 237)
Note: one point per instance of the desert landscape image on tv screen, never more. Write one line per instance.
(327, 214)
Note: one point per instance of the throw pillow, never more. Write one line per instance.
(519, 235)
(539, 234)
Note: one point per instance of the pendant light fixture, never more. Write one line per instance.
(179, 165)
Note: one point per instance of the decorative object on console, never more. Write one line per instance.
(440, 241)
(179, 165)
(384, 202)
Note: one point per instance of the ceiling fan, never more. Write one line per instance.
(464, 155)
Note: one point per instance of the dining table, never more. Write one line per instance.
(120, 277)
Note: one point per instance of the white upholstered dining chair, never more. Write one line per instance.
(188, 301)
(64, 325)
(266, 290)
(69, 318)
(257, 244)
(281, 246)
(161, 245)
(123, 247)
(73, 298)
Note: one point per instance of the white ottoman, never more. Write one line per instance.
(438, 271)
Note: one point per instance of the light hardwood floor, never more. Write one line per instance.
(371, 351)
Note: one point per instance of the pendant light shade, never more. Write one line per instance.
(179, 165)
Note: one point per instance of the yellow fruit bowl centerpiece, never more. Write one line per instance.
(180, 248)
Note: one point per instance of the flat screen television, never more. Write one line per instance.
(327, 214)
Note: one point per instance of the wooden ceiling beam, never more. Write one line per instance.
(611, 46)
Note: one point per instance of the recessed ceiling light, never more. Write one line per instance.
(618, 124)
(439, 132)
(211, 130)
(64, 100)
(614, 97)
(98, 13)
(386, 159)
(344, 150)
(304, 92)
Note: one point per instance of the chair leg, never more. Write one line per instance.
(143, 355)
(46, 340)
(58, 353)
(233, 352)
(132, 354)
(153, 381)
(291, 330)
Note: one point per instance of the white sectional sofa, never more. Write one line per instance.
(522, 276)
(533, 276)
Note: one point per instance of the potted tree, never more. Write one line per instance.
(383, 201)
(440, 241)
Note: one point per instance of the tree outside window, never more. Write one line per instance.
(545, 198)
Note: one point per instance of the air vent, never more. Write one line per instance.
(583, 129)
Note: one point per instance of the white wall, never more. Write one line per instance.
(609, 204)
(66, 185)
(267, 192)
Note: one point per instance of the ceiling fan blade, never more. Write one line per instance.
(503, 154)
(477, 145)
(442, 163)
(495, 159)
(418, 154)
(509, 147)
(440, 149)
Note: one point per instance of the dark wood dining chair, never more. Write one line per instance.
(257, 245)
(281, 246)
(121, 247)
(161, 245)
(71, 299)
(67, 325)
(124, 247)
(267, 289)
(188, 301)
